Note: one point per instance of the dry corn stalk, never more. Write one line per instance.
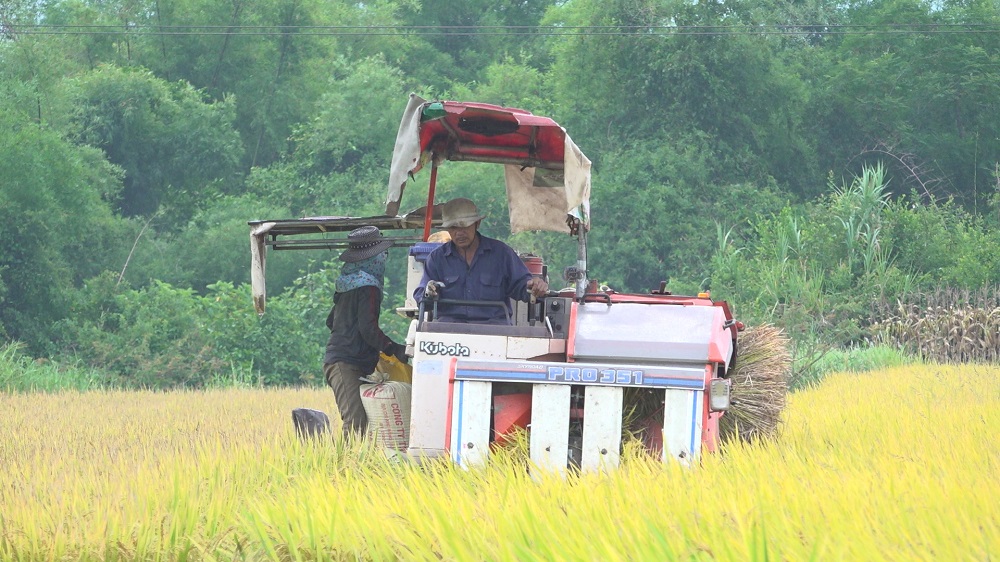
(759, 384)
(947, 326)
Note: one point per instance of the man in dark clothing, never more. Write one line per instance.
(474, 267)
(355, 337)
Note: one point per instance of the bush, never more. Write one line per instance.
(820, 271)
(20, 373)
(283, 347)
(943, 244)
(149, 338)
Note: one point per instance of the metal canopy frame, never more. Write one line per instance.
(432, 132)
(323, 233)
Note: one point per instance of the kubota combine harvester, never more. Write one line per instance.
(564, 366)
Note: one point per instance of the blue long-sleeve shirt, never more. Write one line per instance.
(496, 274)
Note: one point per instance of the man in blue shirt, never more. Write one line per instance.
(474, 267)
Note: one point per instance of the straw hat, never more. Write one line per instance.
(460, 212)
(365, 242)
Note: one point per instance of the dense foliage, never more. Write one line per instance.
(800, 160)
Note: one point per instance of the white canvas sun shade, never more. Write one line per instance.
(539, 198)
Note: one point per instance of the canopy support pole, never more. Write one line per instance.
(429, 212)
(581, 262)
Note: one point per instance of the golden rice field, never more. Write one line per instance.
(902, 464)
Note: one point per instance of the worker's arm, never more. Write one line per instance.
(369, 310)
(523, 285)
(428, 282)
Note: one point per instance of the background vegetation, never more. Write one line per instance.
(825, 167)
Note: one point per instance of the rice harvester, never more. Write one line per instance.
(565, 365)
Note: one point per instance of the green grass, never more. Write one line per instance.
(809, 370)
(21, 373)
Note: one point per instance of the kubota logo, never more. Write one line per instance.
(438, 348)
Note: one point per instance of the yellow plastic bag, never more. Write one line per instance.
(396, 369)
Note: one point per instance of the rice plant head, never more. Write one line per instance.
(759, 384)
(513, 450)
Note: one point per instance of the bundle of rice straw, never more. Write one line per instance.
(759, 384)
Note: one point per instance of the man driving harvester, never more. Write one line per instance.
(473, 267)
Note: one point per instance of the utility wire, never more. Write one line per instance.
(517, 27)
(390, 30)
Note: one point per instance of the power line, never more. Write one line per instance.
(423, 30)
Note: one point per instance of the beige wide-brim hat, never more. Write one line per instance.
(365, 242)
(460, 212)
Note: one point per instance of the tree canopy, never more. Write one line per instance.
(137, 137)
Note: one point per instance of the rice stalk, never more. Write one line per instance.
(759, 377)
(221, 475)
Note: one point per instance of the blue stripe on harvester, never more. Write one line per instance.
(457, 443)
(651, 380)
(498, 375)
(694, 423)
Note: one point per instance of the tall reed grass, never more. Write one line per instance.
(890, 465)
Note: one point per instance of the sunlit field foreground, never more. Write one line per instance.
(894, 465)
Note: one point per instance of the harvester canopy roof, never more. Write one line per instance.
(547, 177)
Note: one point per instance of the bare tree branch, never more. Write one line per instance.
(917, 171)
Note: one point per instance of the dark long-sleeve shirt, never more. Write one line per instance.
(496, 274)
(355, 336)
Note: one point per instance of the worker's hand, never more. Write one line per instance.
(431, 289)
(400, 353)
(537, 287)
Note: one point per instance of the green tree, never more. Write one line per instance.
(916, 90)
(354, 122)
(264, 56)
(32, 67)
(658, 222)
(339, 158)
(512, 84)
(177, 151)
(55, 222)
(475, 33)
(213, 247)
(640, 82)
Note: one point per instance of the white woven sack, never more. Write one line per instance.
(388, 407)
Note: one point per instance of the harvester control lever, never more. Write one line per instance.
(435, 299)
(432, 288)
(532, 308)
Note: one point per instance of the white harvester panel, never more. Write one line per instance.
(434, 355)
(552, 383)
(645, 333)
(602, 428)
(470, 422)
(548, 440)
(682, 421)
